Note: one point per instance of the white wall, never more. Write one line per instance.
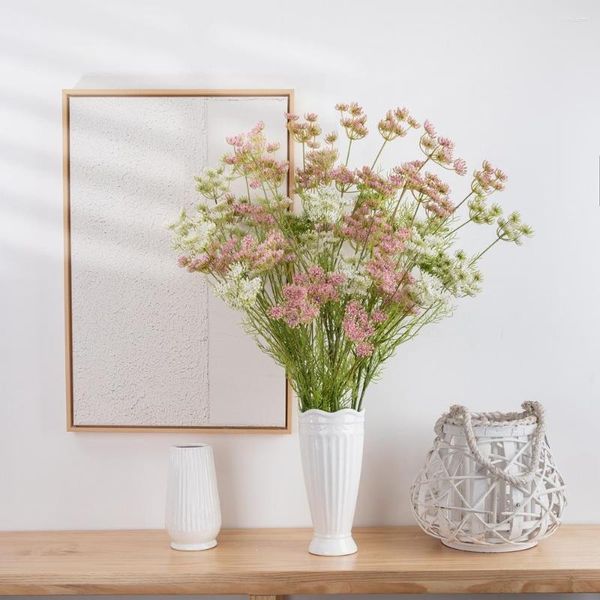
(514, 81)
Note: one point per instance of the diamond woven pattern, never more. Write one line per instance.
(508, 497)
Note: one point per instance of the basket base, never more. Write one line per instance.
(489, 547)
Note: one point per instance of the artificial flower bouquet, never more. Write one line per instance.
(355, 261)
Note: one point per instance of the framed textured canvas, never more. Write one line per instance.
(148, 347)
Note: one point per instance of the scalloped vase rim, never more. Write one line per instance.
(326, 413)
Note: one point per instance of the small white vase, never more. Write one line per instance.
(193, 515)
(331, 446)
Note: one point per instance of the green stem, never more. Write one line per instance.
(348, 153)
(379, 154)
(485, 250)
(457, 228)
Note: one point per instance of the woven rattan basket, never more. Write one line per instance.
(489, 483)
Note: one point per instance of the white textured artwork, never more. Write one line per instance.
(151, 345)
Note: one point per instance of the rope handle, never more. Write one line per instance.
(531, 409)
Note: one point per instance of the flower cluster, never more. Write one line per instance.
(480, 212)
(323, 205)
(237, 289)
(396, 123)
(304, 132)
(366, 224)
(193, 235)
(257, 256)
(353, 120)
(317, 171)
(334, 278)
(213, 183)
(253, 158)
(257, 214)
(359, 327)
(512, 229)
(441, 150)
(488, 179)
(306, 294)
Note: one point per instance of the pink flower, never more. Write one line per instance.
(439, 206)
(344, 176)
(297, 309)
(358, 327)
(396, 123)
(366, 224)
(428, 188)
(460, 166)
(368, 178)
(257, 128)
(429, 128)
(488, 179)
(378, 316)
(253, 157)
(277, 312)
(408, 175)
(392, 282)
(235, 140)
(317, 167)
(254, 184)
(198, 263)
(258, 256)
(270, 252)
(392, 243)
(364, 349)
(384, 273)
(353, 120)
(305, 295)
(322, 287)
(256, 214)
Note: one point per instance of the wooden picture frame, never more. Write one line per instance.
(67, 95)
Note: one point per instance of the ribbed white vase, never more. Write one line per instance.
(193, 515)
(331, 446)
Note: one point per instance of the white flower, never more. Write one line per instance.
(213, 183)
(512, 229)
(430, 290)
(462, 277)
(238, 290)
(427, 246)
(193, 235)
(357, 282)
(323, 205)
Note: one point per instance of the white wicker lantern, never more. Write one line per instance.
(489, 484)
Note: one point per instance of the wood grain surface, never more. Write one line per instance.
(271, 562)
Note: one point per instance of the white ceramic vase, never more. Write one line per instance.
(331, 446)
(193, 515)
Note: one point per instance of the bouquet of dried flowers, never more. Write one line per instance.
(332, 280)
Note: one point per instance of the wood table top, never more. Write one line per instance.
(276, 562)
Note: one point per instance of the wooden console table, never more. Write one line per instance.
(265, 563)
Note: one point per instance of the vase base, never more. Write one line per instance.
(324, 546)
(194, 547)
(489, 547)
